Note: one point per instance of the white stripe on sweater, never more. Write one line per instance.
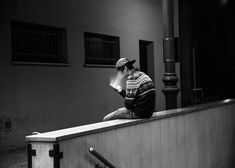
(147, 92)
(132, 84)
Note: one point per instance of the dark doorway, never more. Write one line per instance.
(206, 31)
(146, 52)
(211, 40)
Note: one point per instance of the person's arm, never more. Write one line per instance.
(122, 93)
(130, 99)
(131, 91)
(118, 89)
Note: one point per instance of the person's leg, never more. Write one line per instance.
(121, 113)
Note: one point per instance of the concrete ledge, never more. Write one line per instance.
(63, 134)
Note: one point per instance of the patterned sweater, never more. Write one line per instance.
(140, 94)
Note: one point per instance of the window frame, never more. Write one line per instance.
(61, 44)
(116, 39)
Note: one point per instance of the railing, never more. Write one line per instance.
(101, 158)
(190, 137)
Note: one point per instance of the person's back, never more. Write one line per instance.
(140, 94)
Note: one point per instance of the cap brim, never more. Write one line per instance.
(131, 62)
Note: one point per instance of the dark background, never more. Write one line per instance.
(209, 28)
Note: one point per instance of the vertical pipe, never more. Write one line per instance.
(197, 93)
(194, 70)
(170, 79)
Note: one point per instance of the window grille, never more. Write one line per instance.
(38, 44)
(101, 50)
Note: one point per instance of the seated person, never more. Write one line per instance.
(139, 94)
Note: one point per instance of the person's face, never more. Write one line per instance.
(123, 72)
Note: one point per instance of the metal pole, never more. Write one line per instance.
(194, 70)
(101, 158)
(197, 93)
(170, 79)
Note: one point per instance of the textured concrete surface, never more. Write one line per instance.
(14, 158)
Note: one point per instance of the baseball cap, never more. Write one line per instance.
(122, 62)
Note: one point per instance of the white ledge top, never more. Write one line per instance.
(68, 133)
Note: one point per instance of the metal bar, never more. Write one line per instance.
(56, 154)
(31, 153)
(194, 70)
(100, 157)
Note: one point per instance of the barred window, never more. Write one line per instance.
(101, 50)
(38, 44)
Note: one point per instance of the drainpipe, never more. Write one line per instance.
(169, 79)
